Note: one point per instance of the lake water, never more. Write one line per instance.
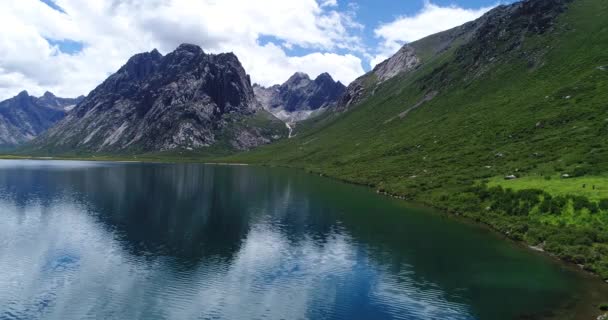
(92, 240)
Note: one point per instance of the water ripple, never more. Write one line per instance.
(110, 241)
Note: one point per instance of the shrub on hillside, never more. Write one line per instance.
(581, 171)
(581, 202)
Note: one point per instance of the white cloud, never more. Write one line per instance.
(113, 30)
(329, 3)
(345, 67)
(430, 20)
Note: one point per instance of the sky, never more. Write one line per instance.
(69, 47)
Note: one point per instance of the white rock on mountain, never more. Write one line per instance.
(405, 60)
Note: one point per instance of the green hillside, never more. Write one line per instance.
(521, 94)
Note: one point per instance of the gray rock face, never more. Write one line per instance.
(404, 61)
(24, 117)
(300, 96)
(503, 29)
(184, 100)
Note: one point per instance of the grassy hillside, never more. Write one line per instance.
(518, 97)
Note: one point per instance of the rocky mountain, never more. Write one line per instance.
(185, 100)
(24, 117)
(300, 97)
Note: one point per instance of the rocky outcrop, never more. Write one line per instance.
(502, 31)
(404, 61)
(24, 117)
(185, 100)
(300, 96)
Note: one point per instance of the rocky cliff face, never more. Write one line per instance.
(185, 100)
(24, 117)
(405, 60)
(300, 96)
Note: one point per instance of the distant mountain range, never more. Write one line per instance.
(185, 100)
(24, 117)
(300, 97)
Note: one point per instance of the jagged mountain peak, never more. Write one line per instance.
(153, 55)
(155, 52)
(298, 79)
(186, 99)
(324, 77)
(50, 100)
(299, 76)
(188, 48)
(300, 97)
(48, 94)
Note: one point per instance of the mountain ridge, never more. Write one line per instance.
(300, 97)
(185, 100)
(23, 117)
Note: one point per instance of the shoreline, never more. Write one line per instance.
(122, 160)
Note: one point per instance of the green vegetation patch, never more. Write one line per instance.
(595, 188)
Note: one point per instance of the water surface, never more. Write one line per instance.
(92, 240)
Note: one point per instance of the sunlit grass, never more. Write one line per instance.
(594, 188)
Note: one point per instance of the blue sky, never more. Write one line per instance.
(69, 46)
(53, 5)
(372, 13)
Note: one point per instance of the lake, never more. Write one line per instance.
(101, 240)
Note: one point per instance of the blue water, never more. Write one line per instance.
(92, 240)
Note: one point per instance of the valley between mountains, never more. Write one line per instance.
(503, 120)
